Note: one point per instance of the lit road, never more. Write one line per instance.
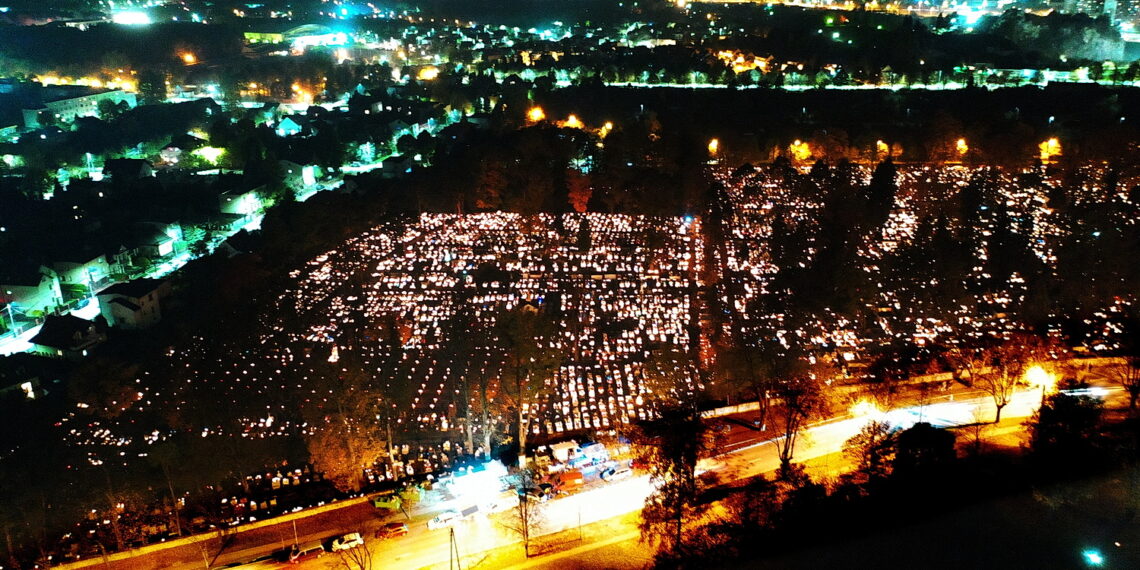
(829, 437)
(423, 548)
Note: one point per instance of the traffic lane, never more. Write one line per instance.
(424, 547)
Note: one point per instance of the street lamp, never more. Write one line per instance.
(1036, 375)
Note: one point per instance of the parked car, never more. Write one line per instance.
(350, 540)
(301, 552)
(444, 519)
(392, 530)
(616, 473)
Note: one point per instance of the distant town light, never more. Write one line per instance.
(800, 151)
(1049, 149)
(1093, 557)
(131, 18)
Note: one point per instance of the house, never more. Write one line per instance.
(298, 177)
(87, 270)
(239, 202)
(180, 146)
(127, 169)
(289, 127)
(31, 290)
(134, 304)
(68, 336)
(397, 165)
(156, 239)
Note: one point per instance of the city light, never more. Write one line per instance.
(800, 151)
(1039, 378)
(1050, 149)
(1093, 557)
(427, 73)
(131, 18)
(210, 154)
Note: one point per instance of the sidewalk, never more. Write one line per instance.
(565, 546)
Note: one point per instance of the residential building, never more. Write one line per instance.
(64, 103)
(31, 290)
(134, 304)
(68, 336)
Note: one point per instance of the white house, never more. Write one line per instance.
(134, 304)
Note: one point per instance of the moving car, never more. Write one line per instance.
(350, 540)
(392, 530)
(444, 519)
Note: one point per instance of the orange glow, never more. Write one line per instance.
(962, 147)
(536, 114)
(189, 58)
(1037, 377)
(714, 146)
(572, 122)
(866, 409)
(427, 73)
(741, 63)
(882, 148)
(800, 150)
(1049, 149)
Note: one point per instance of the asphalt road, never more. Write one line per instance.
(746, 452)
(745, 457)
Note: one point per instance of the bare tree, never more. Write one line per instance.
(527, 515)
(998, 370)
(1127, 375)
(526, 338)
(802, 398)
(356, 558)
(1008, 363)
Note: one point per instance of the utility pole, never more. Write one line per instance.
(454, 563)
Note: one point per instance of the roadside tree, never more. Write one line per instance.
(527, 515)
(356, 558)
(872, 450)
(526, 339)
(802, 398)
(1126, 374)
(670, 443)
